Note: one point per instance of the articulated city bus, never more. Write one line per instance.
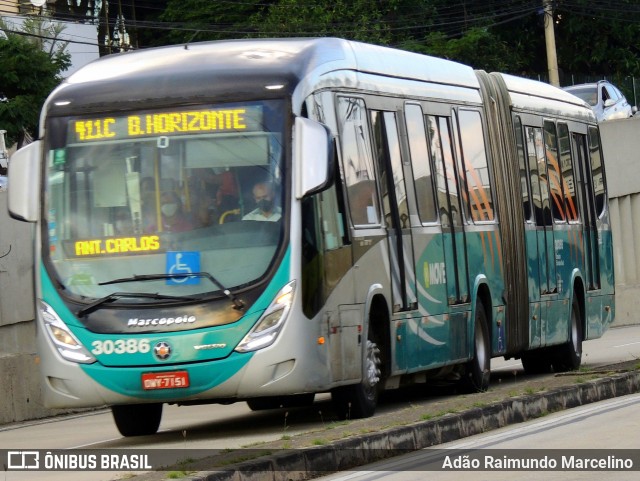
(264, 220)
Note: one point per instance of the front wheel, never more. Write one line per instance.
(478, 370)
(360, 400)
(137, 419)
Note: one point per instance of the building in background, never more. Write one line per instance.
(81, 38)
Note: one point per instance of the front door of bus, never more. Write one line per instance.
(396, 214)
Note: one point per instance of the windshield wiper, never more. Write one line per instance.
(94, 306)
(237, 303)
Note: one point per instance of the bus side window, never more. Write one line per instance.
(597, 173)
(476, 167)
(333, 221)
(554, 172)
(420, 163)
(522, 161)
(566, 166)
(443, 159)
(357, 162)
(538, 173)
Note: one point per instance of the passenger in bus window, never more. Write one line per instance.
(216, 193)
(174, 218)
(123, 223)
(266, 209)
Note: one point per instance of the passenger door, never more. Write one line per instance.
(393, 192)
(542, 210)
(590, 216)
(451, 212)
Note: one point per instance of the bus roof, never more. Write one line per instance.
(251, 69)
(247, 68)
(527, 94)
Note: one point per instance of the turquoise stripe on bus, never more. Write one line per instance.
(206, 369)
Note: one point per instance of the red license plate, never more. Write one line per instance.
(165, 380)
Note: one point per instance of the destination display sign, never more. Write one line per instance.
(115, 246)
(168, 123)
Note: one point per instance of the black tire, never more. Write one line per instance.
(477, 374)
(277, 402)
(137, 419)
(360, 400)
(568, 357)
(537, 361)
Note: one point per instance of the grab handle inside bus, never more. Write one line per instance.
(313, 157)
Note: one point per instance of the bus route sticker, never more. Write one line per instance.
(184, 262)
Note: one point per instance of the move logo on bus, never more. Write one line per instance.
(434, 274)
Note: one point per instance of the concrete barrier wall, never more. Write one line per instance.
(621, 145)
(20, 396)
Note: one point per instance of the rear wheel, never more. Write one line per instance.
(360, 400)
(137, 419)
(568, 357)
(478, 370)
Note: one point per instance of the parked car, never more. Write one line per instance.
(605, 99)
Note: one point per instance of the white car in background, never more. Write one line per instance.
(605, 99)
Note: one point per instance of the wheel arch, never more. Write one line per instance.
(579, 294)
(482, 294)
(377, 317)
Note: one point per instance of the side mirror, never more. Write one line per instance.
(24, 181)
(609, 102)
(312, 156)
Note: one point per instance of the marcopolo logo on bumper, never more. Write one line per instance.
(160, 321)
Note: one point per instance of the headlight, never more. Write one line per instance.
(63, 339)
(266, 330)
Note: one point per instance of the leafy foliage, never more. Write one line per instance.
(27, 76)
(596, 37)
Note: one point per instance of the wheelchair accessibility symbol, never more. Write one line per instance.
(183, 263)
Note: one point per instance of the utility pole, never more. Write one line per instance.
(550, 41)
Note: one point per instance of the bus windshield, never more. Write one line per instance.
(166, 192)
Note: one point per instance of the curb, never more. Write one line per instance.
(307, 463)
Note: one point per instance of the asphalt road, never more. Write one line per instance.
(596, 431)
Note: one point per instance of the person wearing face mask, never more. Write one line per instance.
(173, 218)
(266, 208)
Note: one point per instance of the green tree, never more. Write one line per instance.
(597, 39)
(477, 47)
(30, 69)
(198, 20)
(364, 20)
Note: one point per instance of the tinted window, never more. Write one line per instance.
(553, 172)
(420, 163)
(566, 167)
(357, 162)
(522, 163)
(443, 159)
(476, 170)
(538, 174)
(596, 169)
